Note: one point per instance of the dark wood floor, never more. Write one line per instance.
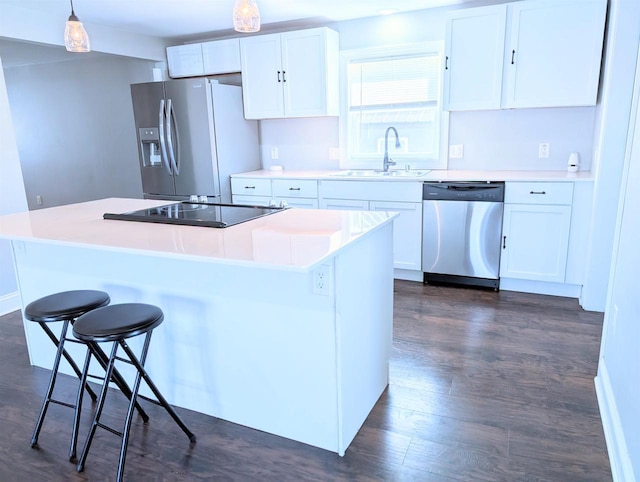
(484, 386)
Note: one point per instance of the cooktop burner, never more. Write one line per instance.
(196, 214)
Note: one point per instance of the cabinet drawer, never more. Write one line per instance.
(252, 187)
(295, 188)
(538, 193)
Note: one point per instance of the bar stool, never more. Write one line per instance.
(117, 323)
(65, 307)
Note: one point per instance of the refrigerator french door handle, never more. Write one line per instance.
(163, 145)
(173, 154)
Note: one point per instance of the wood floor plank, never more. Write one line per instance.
(484, 385)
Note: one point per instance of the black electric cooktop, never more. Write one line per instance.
(196, 214)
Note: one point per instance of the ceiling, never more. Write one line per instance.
(190, 18)
(184, 20)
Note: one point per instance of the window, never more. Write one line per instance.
(395, 87)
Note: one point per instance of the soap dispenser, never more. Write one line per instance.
(574, 162)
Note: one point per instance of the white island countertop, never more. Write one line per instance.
(293, 239)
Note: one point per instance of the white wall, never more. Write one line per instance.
(12, 199)
(619, 368)
(611, 131)
(75, 130)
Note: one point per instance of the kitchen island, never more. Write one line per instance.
(282, 323)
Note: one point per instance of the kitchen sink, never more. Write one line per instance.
(376, 173)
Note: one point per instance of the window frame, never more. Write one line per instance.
(348, 56)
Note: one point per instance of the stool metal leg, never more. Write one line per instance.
(118, 379)
(156, 392)
(60, 352)
(76, 417)
(67, 357)
(96, 418)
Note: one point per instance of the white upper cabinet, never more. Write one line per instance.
(221, 56)
(474, 53)
(206, 58)
(185, 60)
(291, 74)
(555, 53)
(536, 53)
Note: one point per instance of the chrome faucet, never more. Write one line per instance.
(386, 162)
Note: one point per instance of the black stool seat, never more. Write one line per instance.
(117, 322)
(65, 306)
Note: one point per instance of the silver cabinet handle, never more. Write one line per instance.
(504, 242)
(249, 187)
(294, 189)
(537, 192)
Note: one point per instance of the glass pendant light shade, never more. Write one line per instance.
(75, 36)
(246, 17)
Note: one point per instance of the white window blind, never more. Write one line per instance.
(399, 90)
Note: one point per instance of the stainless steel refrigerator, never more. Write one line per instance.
(191, 136)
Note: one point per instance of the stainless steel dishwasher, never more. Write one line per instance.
(461, 231)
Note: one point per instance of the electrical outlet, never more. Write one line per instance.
(39, 200)
(543, 150)
(456, 151)
(334, 153)
(322, 280)
(274, 153)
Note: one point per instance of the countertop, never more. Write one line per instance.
(294, 239)
(433, 175)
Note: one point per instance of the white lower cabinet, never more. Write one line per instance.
(407, 233)
(281, 192)
(403, 198)
(535, 235)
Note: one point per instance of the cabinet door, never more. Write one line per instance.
(554, 51)
(407, 233)
(474, 53)
(306, 71)
(221, 56)
(344, 204)
(292, 202)
(251, 200)
(262, 77)
(185, 60)
(535, 240)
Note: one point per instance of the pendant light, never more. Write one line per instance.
(75, 36)
(246, 17)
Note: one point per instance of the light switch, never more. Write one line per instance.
(456, 151)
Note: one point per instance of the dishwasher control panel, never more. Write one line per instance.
(463, 191)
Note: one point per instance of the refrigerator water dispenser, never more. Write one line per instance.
(150, 146)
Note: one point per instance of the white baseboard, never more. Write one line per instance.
(408, 274)
(621, 468)
(540, 287)
(9, 303)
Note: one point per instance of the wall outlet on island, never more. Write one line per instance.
(322, 280)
